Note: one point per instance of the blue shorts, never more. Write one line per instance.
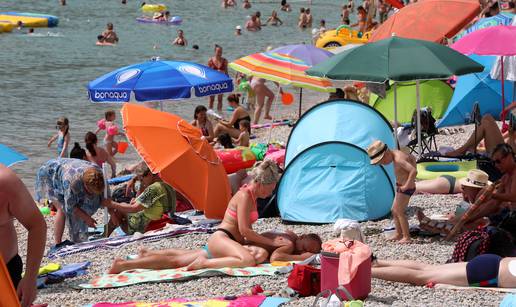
(205, 248)
(482, 271)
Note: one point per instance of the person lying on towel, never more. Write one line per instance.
(301, 248)
(156, 199)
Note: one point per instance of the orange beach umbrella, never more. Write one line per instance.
(430, 20)
(176, 150)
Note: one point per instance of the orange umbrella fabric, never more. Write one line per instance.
(175, 149)
(430, 20)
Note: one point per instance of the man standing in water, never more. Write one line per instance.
(17, 203)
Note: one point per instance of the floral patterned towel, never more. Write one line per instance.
(244, 301)
(140, 276)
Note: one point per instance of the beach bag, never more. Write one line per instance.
(470, 244)
(305, 280)
(346, 263)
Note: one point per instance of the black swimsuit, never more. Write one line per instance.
(237, 122)
(15, 268)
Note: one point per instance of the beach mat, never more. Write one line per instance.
(140, 276)
(494, 289)
(168, 231)
(243, 301)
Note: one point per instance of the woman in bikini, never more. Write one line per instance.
(232, 127)
(202, 122)
(98, 155)
(225, 246)
(180, 40)
(220, 64)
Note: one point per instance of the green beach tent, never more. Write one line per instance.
(435, 94)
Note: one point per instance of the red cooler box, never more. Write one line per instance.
(359, 287)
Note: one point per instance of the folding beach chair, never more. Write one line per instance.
(428, 133)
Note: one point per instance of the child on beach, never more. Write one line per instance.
(405, 170)
(62, 136)
(243, 138)
(108, 124)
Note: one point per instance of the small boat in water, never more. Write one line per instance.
(173, 21)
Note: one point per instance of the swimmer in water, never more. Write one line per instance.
(180, 40)
(285, 7)
(238, 30)
(31, 31)
(109, 34)
(274, 19)
(246, 4)
(102, 42)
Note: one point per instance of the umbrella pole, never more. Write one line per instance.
(418, 110)
(274, 114)
(300, 101)
(161, 106)
(105, 167)
(396, 116)
(503, 89)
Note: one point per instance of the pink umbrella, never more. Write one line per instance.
(499, 40)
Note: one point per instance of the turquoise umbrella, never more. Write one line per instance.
(9, 156)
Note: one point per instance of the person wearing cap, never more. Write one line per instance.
(157, 198)
(17, 203)
(75, 188)
(405, 170)
(471, 186)
(238, 30)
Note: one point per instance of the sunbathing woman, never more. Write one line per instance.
(486, 270)
(444, 184)
(225, 246)
(489, 133)
(302, 247)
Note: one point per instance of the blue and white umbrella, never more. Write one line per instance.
(159, 80)
(9, 156)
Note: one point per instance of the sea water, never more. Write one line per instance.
(45, 76)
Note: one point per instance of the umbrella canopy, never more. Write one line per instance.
(396, 59)
(430, 20)
(9, 156)
(176, 150)
(158, 80)
(435, 94)
(472, 88)
(499, 40)
(502, 19)
(309, 54)
(346, 47)
(280, 68)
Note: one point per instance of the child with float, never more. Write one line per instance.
(108, 124)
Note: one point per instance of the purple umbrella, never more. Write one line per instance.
(310, 54)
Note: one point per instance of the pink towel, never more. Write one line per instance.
(351, 255)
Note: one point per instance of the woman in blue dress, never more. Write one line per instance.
(75, 188)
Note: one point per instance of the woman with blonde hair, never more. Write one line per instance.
(225, 246)
(75, 188)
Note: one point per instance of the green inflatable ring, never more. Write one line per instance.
(432, 170)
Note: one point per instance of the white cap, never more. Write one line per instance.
(238, 28)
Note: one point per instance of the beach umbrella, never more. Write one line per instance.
(341, 49)
(499, 40)
(397, 59)
(158, 80)
(475, 88)
(430, 20)
(9, 156)
(309, 54)
(502, 19)
(435, 94)
(183, 158)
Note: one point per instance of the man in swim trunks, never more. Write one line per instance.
(252, 24)
(405, 170)
(17, 203)
(486, 270)
(302, 247)
(110, 35)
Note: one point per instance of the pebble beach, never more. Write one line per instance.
(426, 249)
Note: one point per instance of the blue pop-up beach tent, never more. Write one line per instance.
(328, 173)
(473, 88)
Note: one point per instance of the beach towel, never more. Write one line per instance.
(351, 255)
(244, 301)
(508, 301)
(110, 243)
(495, 289)
(67, 271)
(134, 277)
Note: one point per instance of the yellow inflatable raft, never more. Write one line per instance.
(151, 8)
(432, 170)
(28, 21)
(6, 26)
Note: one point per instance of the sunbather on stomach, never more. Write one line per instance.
(302, 247)
(486, 270)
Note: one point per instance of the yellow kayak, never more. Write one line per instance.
(6, 26)
(151, 8)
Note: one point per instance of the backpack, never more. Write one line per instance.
(305, 280)
(470, 244)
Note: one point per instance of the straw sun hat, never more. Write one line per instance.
(476, 179)
(376, 151)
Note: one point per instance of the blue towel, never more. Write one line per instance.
(71, 270)
(274, 301)
(509, 301)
